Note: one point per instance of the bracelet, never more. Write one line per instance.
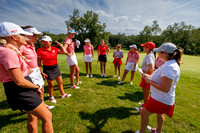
(37, 88)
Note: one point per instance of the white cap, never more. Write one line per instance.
(9, 29)
(86, 40)
(166, 47)
(78, 42)
(46, 38)
(34, 31)
(72, 31)
(133, 46)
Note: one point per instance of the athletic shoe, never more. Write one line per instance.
(152, 130)
(74, 77)
(49, 107)
(101, 75)
(104, 75)
(131, 82)
(75, 87)
(91, 75)
(141, 104)
(114, 76)
(65, 95)
(121, 82)
(52, 99)
(118, 77)
(138, 109)
(87, 75)
(138, 131)
(78, 83)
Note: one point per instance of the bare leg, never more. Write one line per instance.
(90, 66)
(86, 67)
(132, 75)
(101, 63)
(42, 96)
(124, 75)
(160, 122)
(72, 70)
(45, 115)
(146, 94)
(144, 119)
(60, 84)
(32, 123)
(77, 73)
(104, 66)
(119, 70)
(115, 69)
(50, 87)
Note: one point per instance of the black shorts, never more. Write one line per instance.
(21, 98)
(51, 71)
(103, 58)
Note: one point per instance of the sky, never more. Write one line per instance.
(120, 16)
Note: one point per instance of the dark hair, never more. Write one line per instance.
(26, 27)
(177, 56)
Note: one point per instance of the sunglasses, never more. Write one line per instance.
(162, 52)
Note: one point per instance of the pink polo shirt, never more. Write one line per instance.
(88, 49)
(9, 59)
(71, 45)
(29, 52)
(133, 57)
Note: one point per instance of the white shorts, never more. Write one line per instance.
(72, 60)
(37, 77)
(130, 66)
(87, 58)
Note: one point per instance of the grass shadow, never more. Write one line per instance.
(11, 118)
(135, 97)
(4, 105)
(113, 83)
(100, 117)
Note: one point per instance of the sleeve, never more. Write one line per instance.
(137, 55)
(39, 53)
(122, 53)
(11, 60)
(113, 53)
(56, 49)
(84, 48)
(92, 47)
(150, 60)
(68, 41)
(168, 72)
(98, 48)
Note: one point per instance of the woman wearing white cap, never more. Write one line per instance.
(71, 57)
(21, 93)
(162, 82)
(88, 56)
(29, 52)
(48, 56)
(131, 63)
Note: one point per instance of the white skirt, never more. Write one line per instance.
(36, 77)
(72, 60)
(87, 58)
(130, 66)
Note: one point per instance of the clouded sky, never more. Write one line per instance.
(120, 16)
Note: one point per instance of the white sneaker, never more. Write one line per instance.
(91, 75)
(75, 87)
(138, 109)
(152, 130)
(121, 82)
(101, 75)
(87, 75)
(141, 104)
(131, 82)
(49, 107)
(114, 76)
(52, 99)
(138, 131)
(104, 75)
(78, 83)
(66, 95)
(118, 77)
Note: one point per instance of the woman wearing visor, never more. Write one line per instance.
(20, 92)
(88, 56)
(72, 62)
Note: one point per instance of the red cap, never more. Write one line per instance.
(150, 45)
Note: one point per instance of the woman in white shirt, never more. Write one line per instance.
(162, 85)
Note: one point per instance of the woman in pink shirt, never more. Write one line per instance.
(20, 92)
(69, 45)
(88, 56)
(131, 63)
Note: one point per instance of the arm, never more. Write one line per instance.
(39, 59)
(93, 53)
(165, 86)
(65, 47)
(151, 69)
(127, 59)
(108, 51)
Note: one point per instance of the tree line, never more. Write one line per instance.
(88, 25)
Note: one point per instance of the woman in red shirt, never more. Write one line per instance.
(20, 92)
(48, 56)
(102, 56)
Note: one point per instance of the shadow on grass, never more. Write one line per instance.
(128, 131)
(113, 83)
(4, 105)
(9, 119)
(135, 97)
(100, 117)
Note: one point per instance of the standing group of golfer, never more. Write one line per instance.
(23, 70)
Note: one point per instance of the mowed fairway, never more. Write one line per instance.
(101, 105)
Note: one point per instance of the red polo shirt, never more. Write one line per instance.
(49, 58)
(102, 49)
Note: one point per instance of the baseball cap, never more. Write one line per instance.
(71, 31)
(86, 40)
(9, 29)
(34, 31)
(166, 47)
(150, 45)
(133, 46)
(46, 38)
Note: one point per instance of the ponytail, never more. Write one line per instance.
(4, 42)
(177, 56)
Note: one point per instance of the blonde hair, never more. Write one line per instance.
(3, 41)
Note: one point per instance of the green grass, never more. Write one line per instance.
(103, 106)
